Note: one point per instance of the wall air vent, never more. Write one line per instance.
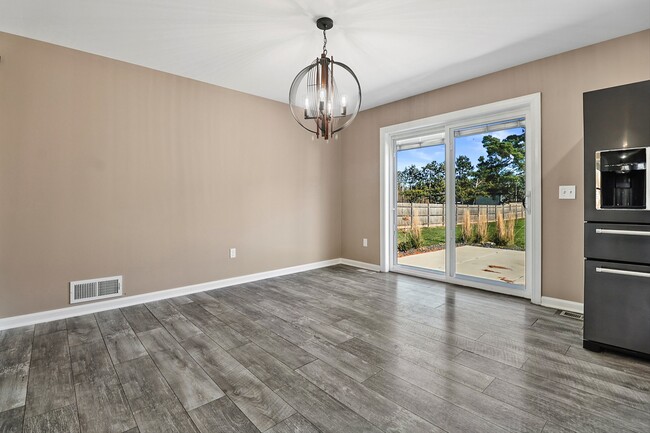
(98, 288)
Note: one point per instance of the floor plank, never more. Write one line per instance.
(82, 330)
(261, 405)
(264, 366)
(221, 333)
(376, 354)
(154, 404)
(53, 346)
(277, 346)
(469, 399)
(567, 374)
(379, 332)
(545, 406)
(324, 412)
(328, 350)
(188, 380)
(294, 424)
(51, 385)
(563, 399)
(372, 406)
(140, 318)
(437, 411)
(221, 416)
(120, 339)
(50, 327)
(16, 347)
(16, 338)
(143, 384)
(13, 386)
(620, 362)
(210, 303)
(175, 323)
(11, 421)
(166, 416)
(63, 420)
(91, 362)
(103, 407)
(158, 340)
(348, 363)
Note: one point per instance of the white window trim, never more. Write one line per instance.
(530, 106)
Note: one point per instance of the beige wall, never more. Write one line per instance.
(108, 169)
(561, 80)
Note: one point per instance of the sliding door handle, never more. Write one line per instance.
(623, 232)
(623, 272)
(525, 202)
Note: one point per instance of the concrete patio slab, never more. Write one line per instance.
(492, 263)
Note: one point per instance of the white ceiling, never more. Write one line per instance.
(398, 48)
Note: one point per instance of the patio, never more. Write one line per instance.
(492, 263)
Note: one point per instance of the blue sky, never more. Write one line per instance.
(470, 146)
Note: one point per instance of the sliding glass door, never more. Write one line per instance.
(421, 195)
(489, 199)
(459, 203)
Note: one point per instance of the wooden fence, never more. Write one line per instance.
(433, 214)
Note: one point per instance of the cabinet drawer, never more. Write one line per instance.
(619, 242)
(617, 305)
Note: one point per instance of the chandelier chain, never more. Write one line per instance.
(324, 42)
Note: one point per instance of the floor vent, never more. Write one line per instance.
(98, 288)
(572, 315)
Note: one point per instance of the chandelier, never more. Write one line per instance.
(321, 102)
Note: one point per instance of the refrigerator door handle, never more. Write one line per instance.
(623, 232)
(622, 272)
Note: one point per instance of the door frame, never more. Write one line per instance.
(528, 106)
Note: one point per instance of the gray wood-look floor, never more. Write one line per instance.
(330, 350)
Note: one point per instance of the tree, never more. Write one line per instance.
(465, 180)
(409, 177)
(499, 174)
(503, 169)
(433, 180)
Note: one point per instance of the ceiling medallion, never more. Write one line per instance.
(320, 103)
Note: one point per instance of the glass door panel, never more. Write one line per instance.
(489, 202)
(420, 208)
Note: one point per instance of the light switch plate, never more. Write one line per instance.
(233, 253)
(567, 192)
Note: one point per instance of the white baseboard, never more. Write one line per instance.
(79, 310)
(561, 304)
(362, 265)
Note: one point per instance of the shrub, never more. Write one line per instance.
(411, 238)
(467, 228)
(500, 232)
(410, 241)
(505, 231)
(415, 234)
(510, 231)
(404, 245)
(482, 228)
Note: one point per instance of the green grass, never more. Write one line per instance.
(436, 235)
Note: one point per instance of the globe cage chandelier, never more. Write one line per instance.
(320, 102)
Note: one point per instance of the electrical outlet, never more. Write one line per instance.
(567, 192)
(365, 242)
(233, 253)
